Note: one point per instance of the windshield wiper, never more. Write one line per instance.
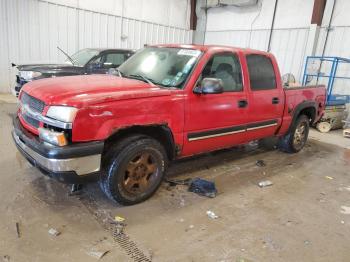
(69, 58)
(145, 79)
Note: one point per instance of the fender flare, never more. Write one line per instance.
(303, 105)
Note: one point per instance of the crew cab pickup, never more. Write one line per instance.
(165, 102)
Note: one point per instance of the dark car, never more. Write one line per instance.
(85, 61)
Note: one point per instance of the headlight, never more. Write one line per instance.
(28, 75)
(62, 113)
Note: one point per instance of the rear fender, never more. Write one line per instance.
(310, 109)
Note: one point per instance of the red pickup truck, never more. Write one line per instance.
(166, 102)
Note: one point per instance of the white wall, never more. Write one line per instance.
(30, 30)
(250, 27)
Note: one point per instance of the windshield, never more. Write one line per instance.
(83, 56)
(160, 65)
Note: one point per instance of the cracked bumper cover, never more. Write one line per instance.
(72, 164)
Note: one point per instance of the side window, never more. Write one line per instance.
(261, 73)
(226, 67)
(114, 59)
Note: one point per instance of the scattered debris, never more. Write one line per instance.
(270, 243)
(17, 230)
(97, 254)
(54, 232)
(344, 188)
(212, 215)
(329, 177)
(173, 182)
(119, 219)
(189, 228)
(265, 183)
(306, 242)
(203, 187)
(76, 189)
(119, 229)
(345, 210)
(260, 163)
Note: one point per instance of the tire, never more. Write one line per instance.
(296, 139)
(133, 169)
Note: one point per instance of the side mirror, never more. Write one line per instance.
(210, 86)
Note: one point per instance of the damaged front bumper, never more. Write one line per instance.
(73, 164)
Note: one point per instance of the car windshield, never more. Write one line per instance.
(163, 66)
(83, 56)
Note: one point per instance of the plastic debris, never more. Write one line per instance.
(265, 183)
(119, 219)
(345, 210)
(54, 232)
(212, 215)
(203, 187)
(260, 163)
(329, 177)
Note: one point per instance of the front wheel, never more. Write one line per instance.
(296, 139)
(134, 170)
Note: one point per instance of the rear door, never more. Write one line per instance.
(265, 96)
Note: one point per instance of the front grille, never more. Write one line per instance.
(34, 103)
(31, 121)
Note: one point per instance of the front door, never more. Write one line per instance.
(214, 121)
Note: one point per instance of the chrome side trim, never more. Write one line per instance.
(25, 109)
(81, 165)
(216, 135)
(258, 127)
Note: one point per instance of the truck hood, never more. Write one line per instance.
(80, 91)
(50, 68)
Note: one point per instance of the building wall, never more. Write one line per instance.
(250, 27)
(31, 30)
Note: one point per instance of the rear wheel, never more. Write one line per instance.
(133, 170)
(296, 139)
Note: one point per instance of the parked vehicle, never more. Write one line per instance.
(166, 102)
(85, 61)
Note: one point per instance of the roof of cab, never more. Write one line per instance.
(205, 48)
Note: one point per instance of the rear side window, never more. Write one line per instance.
(261, 73)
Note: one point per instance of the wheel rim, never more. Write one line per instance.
(140, 173)
(300, 135)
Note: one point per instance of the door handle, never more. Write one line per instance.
(275, 100)
(242, 103)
